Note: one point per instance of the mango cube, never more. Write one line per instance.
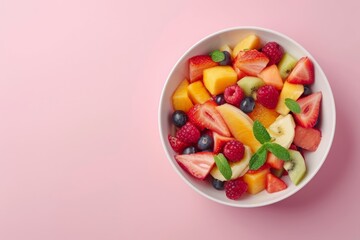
(180, 98)
(250, 42)
(256, 181)
(216, 79)
(198, 93)
(289, 90)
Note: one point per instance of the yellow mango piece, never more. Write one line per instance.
(198, 93)
(264, 115)
(250, 42)
(289, 90)
(216, 79)
(180, 98)
(256, 181)
(226, 48)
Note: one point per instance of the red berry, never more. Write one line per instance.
(234, 189)
(177, 145)
(234, 151)
(273, 51)
(188, 133)
(267, 96)
(234, 95)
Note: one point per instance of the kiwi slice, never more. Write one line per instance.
(286, 64)
(250, 84)
(295, 167)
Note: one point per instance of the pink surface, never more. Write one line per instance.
(80, 155)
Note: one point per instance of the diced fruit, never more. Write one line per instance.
(180, 98)
(234, 95)
(247, 105)
(240, 125)
(179, 118)
(240, 74)
(234, 189)
(188, 133)
(283, 130)
(219, 99)
(273, 51)
(296, 167)
(290, 90)
(251, 62)
(217, 184)
(250, 42)
(197, 164)
(267, 96)
(216, 79)
(256, 180)
(303, 72)
(274, 184)
(238, 168)
(271, 76)
(198, 64)
(226, 48)
(205, 142)
(227, 60)
(310, 108)
(198, 93)
(234, 151)
(307, 138)
(219, 142)
(250, 84)
(264, 115)
(274, 162)
(176, 144)
(207, 116)
(189, 150)
(286, 64)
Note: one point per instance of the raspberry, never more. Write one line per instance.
(267, 96)
(188, 133)
(235, 188)
(177, 145)
(233, 95)
(234, 151)
(273, 51)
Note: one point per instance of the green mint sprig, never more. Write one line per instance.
(217, 56)
(292, 105)
(223, 165)
(259, 157)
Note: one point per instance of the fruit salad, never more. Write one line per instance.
(245, 117)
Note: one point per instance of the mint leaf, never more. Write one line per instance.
(258, 159)
(223, 165)
(217, 56)
(292, 105)
(279, 151)
(260, 132)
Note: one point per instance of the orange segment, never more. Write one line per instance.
(239, 124)
(198, 93)
(264, 115)
(180, 98)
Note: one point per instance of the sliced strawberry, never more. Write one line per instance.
(274, 162)
(251, 62)
(265, 166)
(206, 116)
(303, 72)
(220, 141)
(274, 184)
(310, 107)
(197, 64)
(307, 138)
(293, 147)
(197, 164)
(177, 145)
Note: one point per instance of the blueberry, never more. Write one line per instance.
(179, 118)
(227, 60)
(189, 150)
(307, 91)
(220, 99)
(217, 184)
(247, 105)
(205, 142)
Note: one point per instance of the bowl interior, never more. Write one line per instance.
(314, 160)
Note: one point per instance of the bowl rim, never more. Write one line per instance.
(326, 151)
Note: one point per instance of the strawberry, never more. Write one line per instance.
(274, 184)
(310, 107)
(177, 145)
(197, 64)
(251, 62)
(220, 141)
(307, 138)
(197, 164)
(265, 166)
(303, 72)
(206, 116)
(274, 162)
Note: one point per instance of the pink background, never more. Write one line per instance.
(80, 154)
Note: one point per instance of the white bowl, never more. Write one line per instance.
(314, 160)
